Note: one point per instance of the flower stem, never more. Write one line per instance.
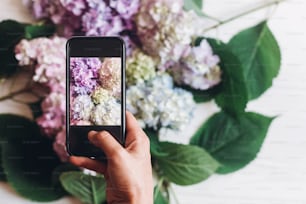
(222, 22)
(174, 194)
(159, 185)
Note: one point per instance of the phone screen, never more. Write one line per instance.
(95, 91)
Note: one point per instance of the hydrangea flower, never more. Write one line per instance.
(53, 118)
(100, 94)
(108, 112)
(61, 12)
(48, 56)
(139, 68)
(158, 104)
(165, 30)
(110, 75)
(93, 17)
(130, 46)
(81, 107)
(84, 74)
(125, 8)
(198, 68)
(99, 20)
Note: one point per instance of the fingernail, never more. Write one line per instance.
(92, 133)
(94, 136)
(101, 134)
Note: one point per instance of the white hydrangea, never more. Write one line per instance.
(108, 112)
(157, 104)
(81, 107)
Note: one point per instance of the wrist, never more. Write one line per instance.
(141, 196)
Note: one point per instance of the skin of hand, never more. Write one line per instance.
(128, 171)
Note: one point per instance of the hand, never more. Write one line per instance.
(128, 172)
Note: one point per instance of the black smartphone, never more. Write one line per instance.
(95, 73)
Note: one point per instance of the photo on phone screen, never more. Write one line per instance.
(95, 91)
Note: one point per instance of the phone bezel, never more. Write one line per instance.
(94, 47)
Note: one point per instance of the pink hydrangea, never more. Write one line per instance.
(110, 75)
(53, 117)
(47, 57)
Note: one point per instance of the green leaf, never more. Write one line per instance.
(233, 141)
(36, 109)
(159, 196)
(11, 32)
(155, 147)
(66, 167)
(260, 56)
(2, 173)
(89, 189)
(35, 31)
(185, 164)
(233, 92)
(28, 158)
(195, 5)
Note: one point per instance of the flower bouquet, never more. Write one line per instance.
(171, 67)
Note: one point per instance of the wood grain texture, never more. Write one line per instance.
(278, 175)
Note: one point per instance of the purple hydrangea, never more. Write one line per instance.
(198, 67)
(93, 17)
(84, 74)
(66, 13)
(74, 6)
(125, 8)
(99, 20)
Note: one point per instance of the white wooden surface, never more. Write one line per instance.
(278, 175)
